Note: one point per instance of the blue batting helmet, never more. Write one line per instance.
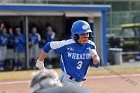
(80, 27)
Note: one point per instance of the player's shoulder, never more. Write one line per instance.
(37, 33)
(58, 44)
(69, 41)
(91, 43)
(65, 42)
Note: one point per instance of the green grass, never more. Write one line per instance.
(26, 75)
(114, 70)
(18, 75)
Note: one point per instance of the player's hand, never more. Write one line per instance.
(96, 59)
(40, 64)
(94, 55)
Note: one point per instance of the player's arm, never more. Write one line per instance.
(95, 56)
(40, 60)
(43, 54)
(57, 46)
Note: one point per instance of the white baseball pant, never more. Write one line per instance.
(66, 80)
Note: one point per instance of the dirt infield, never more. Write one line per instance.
(129, 83)
(114, 79)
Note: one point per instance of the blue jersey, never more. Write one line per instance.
(4, 40)
(35, 38)
(20, 42)
(50, 37)
(75, 57)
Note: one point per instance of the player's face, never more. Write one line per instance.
(83, 38)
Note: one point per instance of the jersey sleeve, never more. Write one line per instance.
(47, 48)
(93, 46)
(39, 37)
(57, 46)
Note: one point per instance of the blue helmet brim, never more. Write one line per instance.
(83, 32)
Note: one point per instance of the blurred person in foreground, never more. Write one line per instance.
(76, 54)
(44, 79)
(47, 81)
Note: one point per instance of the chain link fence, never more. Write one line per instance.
(115, 19)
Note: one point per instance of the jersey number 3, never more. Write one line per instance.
(79, 64)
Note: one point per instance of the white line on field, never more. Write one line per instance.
(89, 77)
(14, 82)
(113, 76)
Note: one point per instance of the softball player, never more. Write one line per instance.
(19, 48)
(35, 39)
(3, 48)
(76, 54)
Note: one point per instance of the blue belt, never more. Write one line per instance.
(76, 79)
